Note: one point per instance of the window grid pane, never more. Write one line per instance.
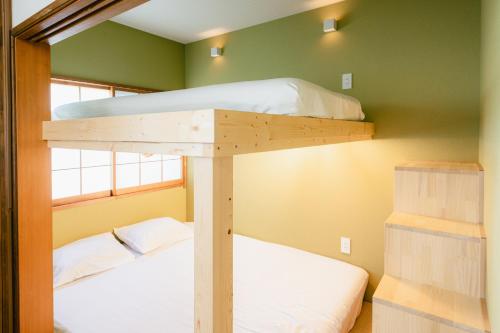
(66, 183)
(78, 172)
(96, 179)
(128, 175)
(151, 172)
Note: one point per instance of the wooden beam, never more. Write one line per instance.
(182, 126)
(203, 132)
(34, 204)
(64, 18)
(213, 215)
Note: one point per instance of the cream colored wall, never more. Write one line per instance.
(490, 150)
(71, 224)
(309, 198)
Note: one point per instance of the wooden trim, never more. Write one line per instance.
(80, 198)
(34, 215)
(113, 190)
(81, 84)
(156, 186)
(184, 171)
(59, 79)
(108, 198)
(7, 198)
(64, 18)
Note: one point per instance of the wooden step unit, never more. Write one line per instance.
(435, 252)
(446, 190)
(441, 253)
(400, 306)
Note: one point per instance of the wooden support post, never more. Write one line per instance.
(213, 215)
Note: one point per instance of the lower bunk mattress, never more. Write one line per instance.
(276, 289)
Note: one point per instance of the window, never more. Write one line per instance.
(82, 175)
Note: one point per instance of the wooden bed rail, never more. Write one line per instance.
(207, 133)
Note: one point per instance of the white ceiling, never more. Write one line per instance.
(22, 9)
(187, 21)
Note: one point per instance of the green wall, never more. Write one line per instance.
(416, 72)
(489, 149)
(115, 53)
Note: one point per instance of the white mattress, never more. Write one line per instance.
(292, 97)
(276, 289)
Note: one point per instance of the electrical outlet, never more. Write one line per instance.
(347, 81)
(345, 245)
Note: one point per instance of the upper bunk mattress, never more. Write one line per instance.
(291, 97)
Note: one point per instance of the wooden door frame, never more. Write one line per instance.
(59, 20)
(7, 262)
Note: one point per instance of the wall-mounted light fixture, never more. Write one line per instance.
(215, 52)
(330, 25)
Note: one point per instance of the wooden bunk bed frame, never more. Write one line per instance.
(212, 137)
(202, 133)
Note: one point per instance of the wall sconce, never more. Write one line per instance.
(215, 52)
(330, 25)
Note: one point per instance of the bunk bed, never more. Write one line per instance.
(211, 136)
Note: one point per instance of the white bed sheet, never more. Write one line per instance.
(285, 96)
(277, 289)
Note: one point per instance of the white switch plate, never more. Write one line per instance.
(347, 81)
(345, 245)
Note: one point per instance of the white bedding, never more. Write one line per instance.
(276, 96)
(276, 289)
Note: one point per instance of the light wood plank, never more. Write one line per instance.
(453, 263)
(34, 203)
(180, 149)
(461, 167)
(388, 319)
(451, 195)
(436, 226)
(226, 132)
(237, 127)
(213, 201)
(166, 127)
(201, 149)
(435, 304)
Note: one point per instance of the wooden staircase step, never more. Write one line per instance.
(462, 167)
(436, 226)
(403, 306)
(447, 190)
(441, 253)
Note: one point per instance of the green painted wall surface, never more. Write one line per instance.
(416, 72)
(116, 53)
(489, 149)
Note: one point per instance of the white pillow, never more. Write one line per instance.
(88, 256)
(146, 236)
